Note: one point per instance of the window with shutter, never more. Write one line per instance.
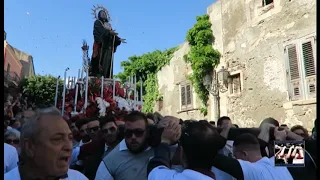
(186, 96)
(309, 68)
(301, 69)
(183, 96)
(294, 73)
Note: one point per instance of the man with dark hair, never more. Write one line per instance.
(246, 147)
(212, 123)
(270, 120)
(249, 163)
(199, 142)
(109, 131)
(129, 159)
(284, 126)
(223, 121)
(81, 124)
(93, 127)
(102, 147)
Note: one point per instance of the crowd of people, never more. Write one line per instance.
(40, 144)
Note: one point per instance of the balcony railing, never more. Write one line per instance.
(11, 77)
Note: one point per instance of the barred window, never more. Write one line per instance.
(235, 84)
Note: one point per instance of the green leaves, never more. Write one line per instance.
(146, 67)
(41, 89)
(202, 57)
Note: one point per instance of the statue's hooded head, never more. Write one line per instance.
(102, 15)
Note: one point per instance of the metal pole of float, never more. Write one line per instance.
(102, 86)
(57, 89)
(85, 49)
(64, 92)
(76, 98)
(86, 93)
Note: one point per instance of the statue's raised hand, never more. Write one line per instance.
(123, 40)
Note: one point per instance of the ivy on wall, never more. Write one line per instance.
(146, 68)
(202, 57)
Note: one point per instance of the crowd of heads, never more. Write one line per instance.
(45, 136)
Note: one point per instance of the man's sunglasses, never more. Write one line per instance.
(93, 129)
(14, 141)
(137, 132)
(106, 131)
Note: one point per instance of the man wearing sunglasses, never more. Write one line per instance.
(93, 128)
(129, 159)
(101, 147)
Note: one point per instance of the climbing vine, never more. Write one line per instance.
(146, 67)
(202, 57)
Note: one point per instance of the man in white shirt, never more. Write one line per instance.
(46, 146)
(199, 141)
(11, 158)
(250, 165)
(254, 166)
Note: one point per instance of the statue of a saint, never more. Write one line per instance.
(106, 41)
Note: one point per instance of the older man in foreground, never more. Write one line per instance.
(46, 146)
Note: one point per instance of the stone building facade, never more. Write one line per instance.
(26, 61)
(268, 46)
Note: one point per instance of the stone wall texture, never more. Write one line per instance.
(252, 40)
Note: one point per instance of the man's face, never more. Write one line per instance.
(74, 129)
(82, 130)
(13, 141)
(136, 135)
(93, 128)
(110, 133)
(225, 123)
(52, 148)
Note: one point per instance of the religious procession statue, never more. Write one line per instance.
(106, 41)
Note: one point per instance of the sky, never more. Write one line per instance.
(52, 31)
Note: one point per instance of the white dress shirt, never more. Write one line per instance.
(11, 157)
(72, 175)
(102, 172)
(264, 169)
(164, 173)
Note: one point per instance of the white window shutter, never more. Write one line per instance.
(295, 90)
(183, 96)
(309, 63)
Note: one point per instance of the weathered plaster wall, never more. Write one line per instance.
(251, 41)
(254, 44)
(169, 78)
